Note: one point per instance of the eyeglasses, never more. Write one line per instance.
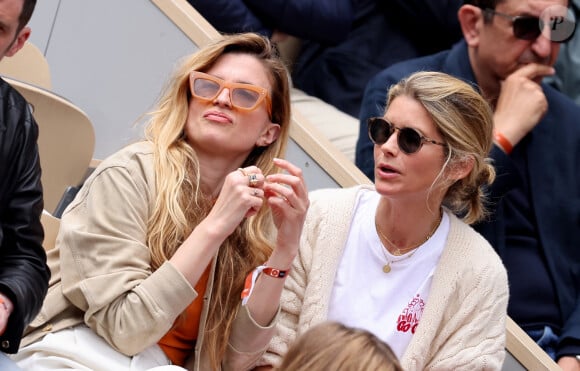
(526, 27)
(409, 139)
(245, 97)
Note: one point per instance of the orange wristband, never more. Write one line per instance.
(503, 142)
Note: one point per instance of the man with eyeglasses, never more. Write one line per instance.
(509, 46)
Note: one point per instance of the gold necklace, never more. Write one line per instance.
(387, 266)
(398, 251)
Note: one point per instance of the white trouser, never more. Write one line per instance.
(79, 348)
(6, 364)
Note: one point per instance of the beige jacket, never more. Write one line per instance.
(101, 271)
(463, 325)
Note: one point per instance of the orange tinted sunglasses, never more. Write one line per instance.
(245, 97)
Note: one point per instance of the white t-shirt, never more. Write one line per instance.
(389, 305)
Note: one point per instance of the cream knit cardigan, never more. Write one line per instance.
(463, 325)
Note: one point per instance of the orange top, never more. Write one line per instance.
(178, 343)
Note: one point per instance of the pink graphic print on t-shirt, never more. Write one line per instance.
(410, 317)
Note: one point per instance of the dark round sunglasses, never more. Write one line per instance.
(526, 27)
(409, 140)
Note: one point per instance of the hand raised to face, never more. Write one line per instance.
(287, 196)
(521, 103)
(241, 196)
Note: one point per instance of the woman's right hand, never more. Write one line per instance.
(238, 199)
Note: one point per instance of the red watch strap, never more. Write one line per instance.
(273, 272)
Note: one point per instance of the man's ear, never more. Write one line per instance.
(269, 135)
(18, 42)
(471, 21)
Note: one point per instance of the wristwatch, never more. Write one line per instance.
(273, 272)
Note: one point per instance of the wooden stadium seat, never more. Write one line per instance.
(66, 141)
(29, 65)
(51, 225)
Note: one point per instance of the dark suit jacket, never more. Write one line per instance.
(553, 157)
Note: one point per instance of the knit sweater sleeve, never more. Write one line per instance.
(466, 324)
(478, 340)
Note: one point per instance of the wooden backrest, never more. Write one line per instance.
(66, 141)
(522, 352)
(51, 225)
(525, 351)
(29, 65)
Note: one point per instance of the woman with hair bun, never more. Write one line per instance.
(399, 259)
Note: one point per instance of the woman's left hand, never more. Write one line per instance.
(287, 196)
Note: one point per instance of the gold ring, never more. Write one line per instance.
(243, 171)
(252, 180)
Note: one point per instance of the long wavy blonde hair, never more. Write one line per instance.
(465, 121)
(180, 204)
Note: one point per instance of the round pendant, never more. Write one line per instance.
(387, 268)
